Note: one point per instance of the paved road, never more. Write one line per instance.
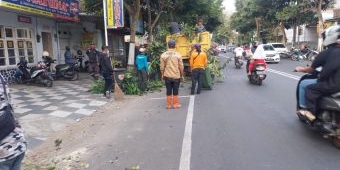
(236, 126)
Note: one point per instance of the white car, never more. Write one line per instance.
(222, 48)
(272, 56)
(279, 47)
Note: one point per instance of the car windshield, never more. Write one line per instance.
(268, 48)
(278, 46)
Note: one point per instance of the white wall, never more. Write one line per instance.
(308, 35)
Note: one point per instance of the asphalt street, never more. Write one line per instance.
(235, 126)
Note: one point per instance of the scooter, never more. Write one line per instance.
(69, 72)
(257, 74)
(328, 120)
(38, 74)
(80, 57)
(238, 62)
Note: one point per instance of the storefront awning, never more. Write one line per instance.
(56, 9)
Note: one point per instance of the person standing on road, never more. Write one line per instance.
(198, 63)
(107, 71)
(12, 140)
(171, 66)
(94, 61)
(142, 68)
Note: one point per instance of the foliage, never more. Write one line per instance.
(215, 66)
(97, 86)
(154, 85)
(129, 85)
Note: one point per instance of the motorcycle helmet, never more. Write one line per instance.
(142, 50)
(45, 54)
(172, 43)
(331, 35)
(79, 52)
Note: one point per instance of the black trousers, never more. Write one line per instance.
(314, 92)
(247, 66)
(196, 77)
(143, 78)
(172, 86)
(108, 82)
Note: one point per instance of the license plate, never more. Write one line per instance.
(260, 72)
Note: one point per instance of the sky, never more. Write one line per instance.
(229, 6)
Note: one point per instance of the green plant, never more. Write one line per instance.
(97, 86)
(130, 83)
(154, 85)
(215, 66)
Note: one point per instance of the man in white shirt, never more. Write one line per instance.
(238, 51)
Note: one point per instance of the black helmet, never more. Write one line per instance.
(79, 52)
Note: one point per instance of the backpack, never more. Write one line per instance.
(7, 120)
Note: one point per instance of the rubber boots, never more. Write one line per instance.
(168, 102)
(176, 102)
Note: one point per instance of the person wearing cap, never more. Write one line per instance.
(69, 60)
(107, 71)
(94, 61)
(171, 66)
(142, 68)
(198, 63)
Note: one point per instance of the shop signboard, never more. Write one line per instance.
(56, 9)
(115, 13)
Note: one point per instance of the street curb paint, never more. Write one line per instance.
(187, 141)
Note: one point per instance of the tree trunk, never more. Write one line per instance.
(320, 26)
(149, 22)
(134, 13)
(294, 34)
(257, 21)
(284, 36)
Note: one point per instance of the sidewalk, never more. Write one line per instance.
(43, 111)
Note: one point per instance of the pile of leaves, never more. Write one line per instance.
(129, 85)
(215, 66)
(97, 86)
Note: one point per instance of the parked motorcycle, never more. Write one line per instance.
(258, 74)
(328, 120)
(38, 74)
(69, 72)
(307, 54)
(238, 62)
(80, 58)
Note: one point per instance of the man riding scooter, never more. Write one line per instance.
(328, 81)
(238, 56)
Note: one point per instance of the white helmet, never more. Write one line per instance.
(331, 35)
(45, 54)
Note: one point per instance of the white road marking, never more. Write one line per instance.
(162, 98)
(186, 147)
(284, 74)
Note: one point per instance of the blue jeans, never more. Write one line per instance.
(302, 87)
(12, 164)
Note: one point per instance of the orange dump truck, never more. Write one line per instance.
(183, 44)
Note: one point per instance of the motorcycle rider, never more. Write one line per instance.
(69, 60)
(257, 58)
(238, 52)
(328, 81)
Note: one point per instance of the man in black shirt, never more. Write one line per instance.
(328, 81)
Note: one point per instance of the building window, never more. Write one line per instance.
(9, 32)
(16, 44)
(11, 52)
(2, 54)
(22, 33)
(30, 52)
